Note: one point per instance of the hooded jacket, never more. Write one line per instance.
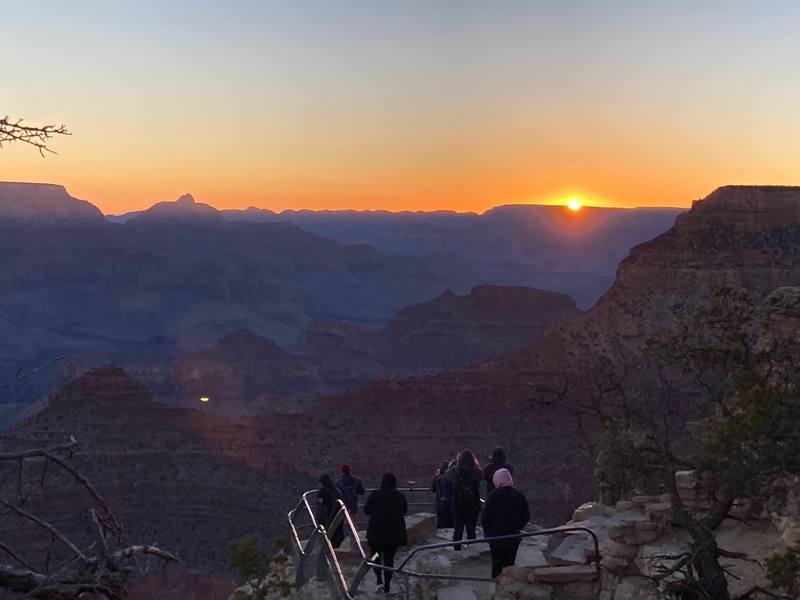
(327, 496)
(505, 512)
(497, 461)
(386, 508)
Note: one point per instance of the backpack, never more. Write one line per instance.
(465, 492)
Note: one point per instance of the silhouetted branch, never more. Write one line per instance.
(35, 135)
(96, 571)
(45, 525)
(23, 376)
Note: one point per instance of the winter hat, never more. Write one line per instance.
(502, 478)
(345, 469)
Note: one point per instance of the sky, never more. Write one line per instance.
(403, 104)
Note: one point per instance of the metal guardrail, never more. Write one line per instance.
(328, 568)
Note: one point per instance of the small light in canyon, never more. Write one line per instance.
(203, 398)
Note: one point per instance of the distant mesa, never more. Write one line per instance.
(745, 208)
(43, 202)
(185, 208)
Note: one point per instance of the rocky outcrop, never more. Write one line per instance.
(453, 331)
(43, 203)
(186, 479)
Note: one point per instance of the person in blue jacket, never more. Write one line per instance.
(442, 486)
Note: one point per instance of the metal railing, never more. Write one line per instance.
(327, 567)
(419, 499)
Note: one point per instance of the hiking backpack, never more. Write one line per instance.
(465, 493)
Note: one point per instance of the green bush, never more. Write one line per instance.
(783, 571)
(266, 575)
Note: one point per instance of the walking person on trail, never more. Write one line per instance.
(328, 496)
(351, 488)
(466, 477)
(442, 486)
(386, 530)
(497, 461)
(505, 513)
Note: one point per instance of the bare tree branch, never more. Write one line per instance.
(15, 556)
(45, 525)
(50, 454)
(12, 130)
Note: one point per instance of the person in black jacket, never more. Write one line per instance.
(328, 496)
(505, 513)
(442, 486)
(497, 461)
(386, 530)
(466, 477)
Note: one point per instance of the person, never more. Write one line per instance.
(351, 488)
(497, 461)
(442, 486)
(505, 513)
(328, 496)
(386, 530)
(466, 477)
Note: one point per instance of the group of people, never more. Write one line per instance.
(457, 486)
(459, 505)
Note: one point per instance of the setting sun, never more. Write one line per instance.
(574, 204)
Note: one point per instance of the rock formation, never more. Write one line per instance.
(420, 421)
(247, 375)
(189, 480)
(454, 331)
(533, 245)
(43, 203)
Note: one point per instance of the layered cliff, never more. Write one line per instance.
(247, 374)
(418, 422)
(181, 477)
(453, 331)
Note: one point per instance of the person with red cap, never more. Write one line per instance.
(351, 488)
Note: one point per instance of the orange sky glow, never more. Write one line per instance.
(404, 106)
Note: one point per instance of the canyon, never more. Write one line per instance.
(168, 469)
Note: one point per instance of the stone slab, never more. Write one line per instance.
(456, 592)
(566, 574)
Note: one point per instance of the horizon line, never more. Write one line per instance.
(543, 203)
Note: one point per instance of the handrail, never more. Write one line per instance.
(335, 575)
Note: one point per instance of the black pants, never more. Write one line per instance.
(464, 520)
(504, 554)
(386, 554)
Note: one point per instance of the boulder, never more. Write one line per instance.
(536, 592)
(420, 527)
(577, 591)
(456, 592)
(640, 589)
(530, 557)
(591, 509)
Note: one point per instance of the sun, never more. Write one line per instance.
(574, 204)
